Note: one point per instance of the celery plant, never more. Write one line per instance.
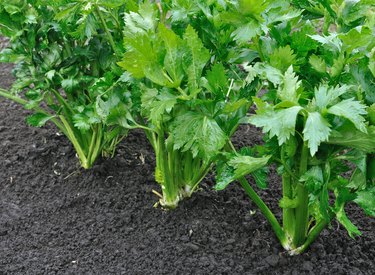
(314, 114)
(189, 102)
(65, 55)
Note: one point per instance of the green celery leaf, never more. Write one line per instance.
(338, 66)
(233, 106)
(199, 134)
(183, 9)
(331, 41)
(112, 4)
(252, 72)
(173, 58)
(281, 14)
(260, 177)
(132, 5)
(50, 74)
(83, 121)
(195, 58)
(288, 203)
(134, 62)
(288, 89)
(324, 203)
(358, 179)
(325, 96)
(363, 79)
(355, 10)
(143, 21)
(148, 96)
(35, 95)
(318, 64)
(237, 167)
(246, 32)
(87, 27)
(38, 119)
(356, 39)
(264, 71)
(121, 116)
(268, 72)
(280, 123)
(69, 84)
(244, 165)
(103, 108)
(313, 179)
(371, 64)
(217, 80)
(351, 110)
(301, 42)
(316, 130)
(366, 200)
(282, 58)
(143, 60)
(252, 7)
(358, 158)
(347, 136)
(224, 173)
(67, 11)
(349, 226)
(164, 103)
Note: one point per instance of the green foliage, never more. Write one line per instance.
(199, 134)
(38, 119)
(191, 100)
(187, 72)
(315, 71)
(238, 166)
(65, 58)
(279, 123)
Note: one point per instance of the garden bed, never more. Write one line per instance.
(57, 218)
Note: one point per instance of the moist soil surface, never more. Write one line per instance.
(56, 218)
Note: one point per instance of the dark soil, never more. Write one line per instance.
(57, 218)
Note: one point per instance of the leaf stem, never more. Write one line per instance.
(259, 49)
(287, 168)
(266, 212)
(288, 213)
(169, 189)
(106, 29)
(70, 135)
(23, 102)
(98, 144)
(314, 233)
(182, 92)
(200, 176)
(302, 210)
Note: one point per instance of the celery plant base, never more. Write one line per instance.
(178, 173)
(171, 202)
(293, 236)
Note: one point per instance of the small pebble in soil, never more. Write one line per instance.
(308, 266)
(272, 260)
(192, 246)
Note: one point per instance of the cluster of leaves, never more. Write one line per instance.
(65, 54)
(187, 73)
(189, 101)
(192, 89)
(317, 67)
